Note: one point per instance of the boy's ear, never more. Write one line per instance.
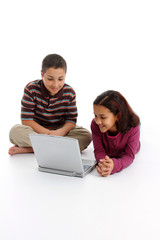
(41, 74)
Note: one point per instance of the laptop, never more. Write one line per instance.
(60, 155)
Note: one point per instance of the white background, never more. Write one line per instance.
(107, 45)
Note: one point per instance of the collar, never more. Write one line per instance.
(113, 136)
(47, 94)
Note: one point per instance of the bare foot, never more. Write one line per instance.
(15, 150)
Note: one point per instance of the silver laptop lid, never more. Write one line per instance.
(57, 152)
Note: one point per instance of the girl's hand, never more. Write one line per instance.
(105, 166)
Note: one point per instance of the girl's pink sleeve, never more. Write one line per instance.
(128, 155)
(99, 150)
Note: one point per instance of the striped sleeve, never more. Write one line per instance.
(27, 105)
(71, 110)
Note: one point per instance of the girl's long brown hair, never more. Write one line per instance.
(119, 106)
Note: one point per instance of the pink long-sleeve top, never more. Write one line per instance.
(120, 148)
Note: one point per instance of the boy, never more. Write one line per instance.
(48, 107)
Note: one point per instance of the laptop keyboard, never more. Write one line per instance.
(86, 167)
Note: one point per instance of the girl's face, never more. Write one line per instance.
(104, 118)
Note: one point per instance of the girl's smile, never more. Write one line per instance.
(105, 119)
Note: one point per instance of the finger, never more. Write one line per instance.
(104, 169)
(108, 160)
(105, 174)
(107, 170)
(98, 170)
(107, 157)
(102, 160)
(100, 165)
(106, 165)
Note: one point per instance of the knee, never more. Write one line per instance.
(83, 136)
(14, 132)
(85, 139)
(87, 136)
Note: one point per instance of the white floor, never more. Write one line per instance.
(107, 45)
(37, 205)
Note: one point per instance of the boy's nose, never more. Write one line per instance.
(54, 84)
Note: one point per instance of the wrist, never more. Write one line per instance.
(47, 132)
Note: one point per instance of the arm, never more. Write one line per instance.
(36, 127)
(99, 149)
(71, 110)
(114, 165)
(128, 155)
(109, 166)
(42, 130)
(27, 112)
(63, 130)
(105, 164)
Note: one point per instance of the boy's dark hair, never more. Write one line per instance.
(119, 106)
(55, 61)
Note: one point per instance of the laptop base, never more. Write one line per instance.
(66, 173)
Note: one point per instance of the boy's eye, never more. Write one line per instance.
(60, 79)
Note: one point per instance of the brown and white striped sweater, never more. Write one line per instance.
(47, 110)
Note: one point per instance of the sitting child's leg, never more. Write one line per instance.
(82, 135)
(19, 136)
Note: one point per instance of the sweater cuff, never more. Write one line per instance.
(116, 166)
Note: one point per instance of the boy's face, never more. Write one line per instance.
(53, 79)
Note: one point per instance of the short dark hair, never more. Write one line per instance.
(119, 106)
(55, 61)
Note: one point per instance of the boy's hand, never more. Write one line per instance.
(63, 130)
(105, 166)
(57, 132)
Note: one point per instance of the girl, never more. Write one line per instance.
(115, 132)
